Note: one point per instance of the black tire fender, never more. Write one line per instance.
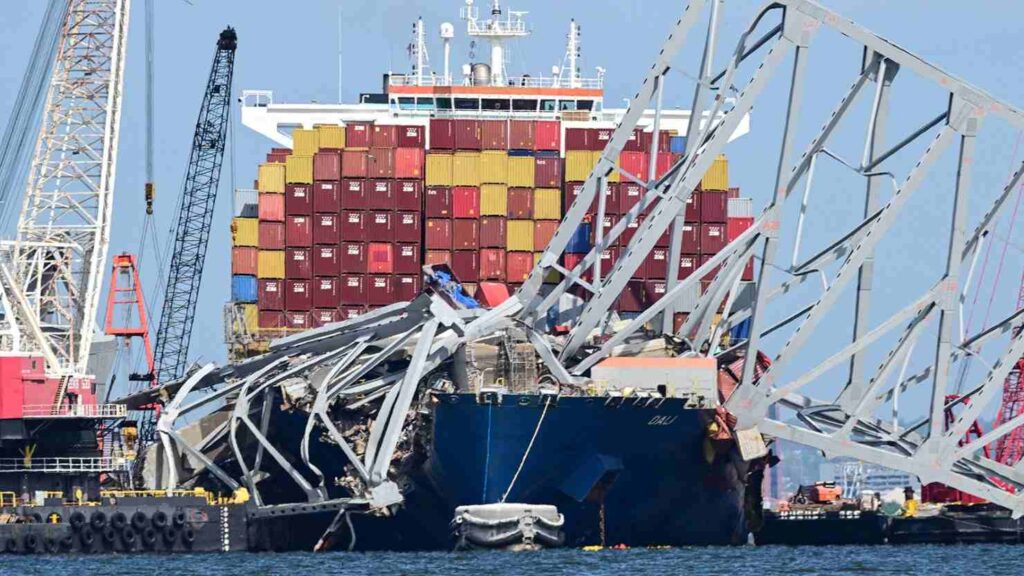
(118, 521)
(188, 534)
(149, 536)
(128, 536)
(179, 518)
(11, 546)
(31, 542)
(98, 520)
(159, 519)
(87, 536)
(77, 519)
(139, 520)
(109, 535)
(67, 543)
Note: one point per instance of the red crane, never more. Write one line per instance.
(1010, 448)
(125, 304)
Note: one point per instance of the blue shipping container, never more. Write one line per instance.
(547, 154)
(579, 242)
(243, 288)
(521, 153)
(677, 145)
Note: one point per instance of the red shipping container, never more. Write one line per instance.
(693, 207)
(323, 317)
(630, 194)
(734, 193)
(630, 231)
(704, 259)
(407, 259)
(353, 290)
(655, 266)
(298, 295)
(606, 227)
(714, 206)
(598, 138)
(326, 230)
(327, 166)
(244, 260)
(326, 261)
(270, 294)
(634, 163)
(353, 226)
(272, 234)
(354, 164)
(435, 257)
(665, 162)
(494, 135)
(543, 232)
(438, 234)
(326, 293)
(518, 266)
(712, 238)
(380, 290)
(353, 258)
(380, 226)
(521, 135)
(271, 320)
(442, 134)
(384, 136)
(380, 258)
(492, 264)
(466, 202)
(380, 195)
(297, 263)
(467, 135)
(654, 290)
(350, 312)
(547, 135)
(738, 225)
(609, 257)
(409, 162)
(271, 207)
(547, 172)
(298, 199)
(637, 142)
(688, 265)
(492, 232)
(576, 138)
(520, 203)
(285, 151)
(571, 261)
(407, 227)
(410, 137)
(408, 195)
(691, 238)
(353, 195)
(297, 320)
(357, 135)
(381, 163)
(273, 158)
(612, 195)
(466, 265)
(632, 297)
(437, 202)
(406, 288)
(465, 234)
(327, 197)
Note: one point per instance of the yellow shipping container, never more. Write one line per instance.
(521, 171)
(552, 277)
(519, 235)
(251, 318)
(271, 178)
(331, 135)
(270, 264)
(578, 165)
(494, 200)
(614, 176)
(245, 232)
(439, 170)
(305, 142)
(717, 177)
(299, 169)
(547, 204)
(466, 169)
(494, 167)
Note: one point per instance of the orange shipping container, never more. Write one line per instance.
(519, 265)
(354, 164)
(244, 260)
(494, 134)
(543, 232)
(271, 207)
(409, 163)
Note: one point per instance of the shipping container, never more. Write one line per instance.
(380, 226)
(380, 290)
(350, 312)
(382, 136)
(353, 258)
(326, 293)
(298, 295)
(466, 265)
(271, 178)
(353, 226)
(654, 290)
(270, 264)
(493, 200)
(380, 195)
(655, 266)
(276, 158)
(298, 169)
(380, 258)
(714, 206)
(271, 207)
(244, 260)
(326, 261)
(520, 203)
(677, 145)
(466, 169)
(609, 257)
(243, 288)
(357, 134)
(246, 204)
(691, 238)
(518, 266)
(635, 163)
(519, 236)
(465, 234)
(465, 202)
(298, 199)
(442, 135)
(467, 135)
(570, 261)
(409, 163)
(494, 134)
(326, 230)
(305, 142)
(407, 227)
(298, 264)
(547, 172)
(493, 167)
(665, 163)
(323, 317)
(438, 170)
(271, 320)
(547, 204)
(492, 232)
(579, 242)
(632, 297)
(492, 264)
(407, 259)
(332, 136)
(630, 194)
(521, 135)
(637, 142)
(606, 227)
(717, 177)
(578, 165)
(740, 208)
(406, 287)
(381, 163)
(272, 235)
(410, 137)
(354, 195)
(353, 290)
(693, 207)
(354, 164)
(437, 202)
(631, 229)
(437, 257)
(547, 135)
(543, 232)
(270, 294)
(326, 197)
(522, 171)
(409, 195)
(327, 166)
(704, 259)
(438, 234)
(552, 276)
(297, 321)
(688, 264)
(576, 139)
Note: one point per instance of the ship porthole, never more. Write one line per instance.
(453, 399)
(525, 401)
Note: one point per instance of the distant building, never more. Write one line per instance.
(856, 477)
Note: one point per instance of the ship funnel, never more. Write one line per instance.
(481, 74)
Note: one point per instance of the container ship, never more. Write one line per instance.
(474, 173)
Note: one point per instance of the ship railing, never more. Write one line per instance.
(257, 98)
(64, 465)
(75, 411)
(198, 493)
(512, 82)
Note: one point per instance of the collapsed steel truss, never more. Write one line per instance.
(431, 329)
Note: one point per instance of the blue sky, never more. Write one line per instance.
(291, 48)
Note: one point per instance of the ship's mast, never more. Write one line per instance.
(497, 31)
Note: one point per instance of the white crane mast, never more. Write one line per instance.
(63, 231)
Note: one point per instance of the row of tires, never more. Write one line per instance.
(98, 520)
(118, 533)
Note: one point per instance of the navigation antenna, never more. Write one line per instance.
(418, 51)
(497, 31)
